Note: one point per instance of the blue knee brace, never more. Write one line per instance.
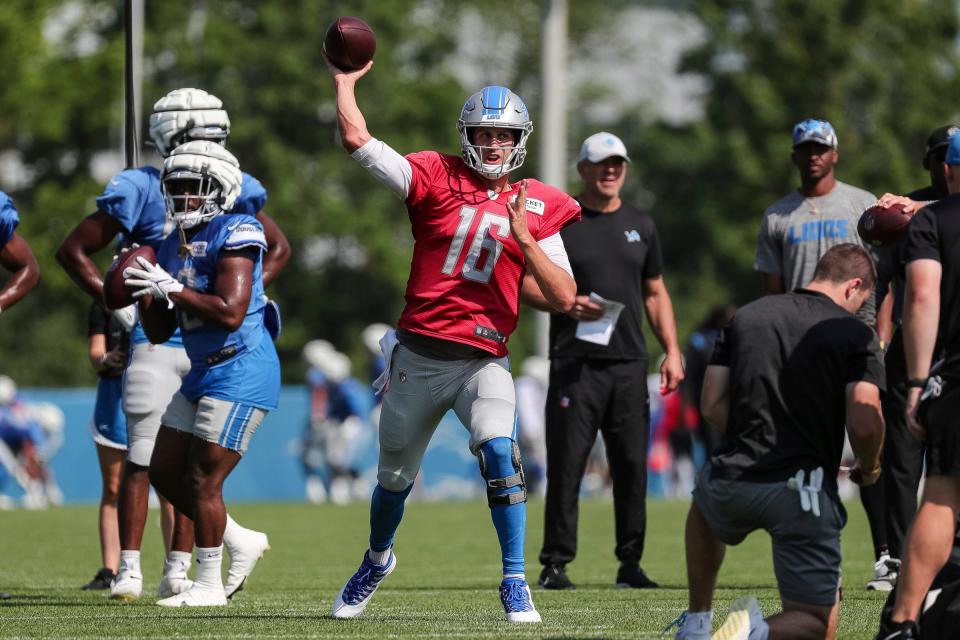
(501, 468)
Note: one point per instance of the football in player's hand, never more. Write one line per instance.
(116, 295)
(349, 43)
(883, 226)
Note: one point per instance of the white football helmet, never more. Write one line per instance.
(8, 390)
(217, 182)
(372, 334)
(494, 107)
(187, 114)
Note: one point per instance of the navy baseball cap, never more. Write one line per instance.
(811, 130)
(953, 151)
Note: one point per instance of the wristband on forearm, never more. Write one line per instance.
(916, 383)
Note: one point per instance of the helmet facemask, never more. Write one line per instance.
(474, 154)
(191, 198)
(499, 108)
(200, 180)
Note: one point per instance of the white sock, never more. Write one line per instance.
(522, 576)
(231, 532)
(379, 557)
(177, 560)
(762, 630)
(130, 560)
(209, 561)
(699, 621)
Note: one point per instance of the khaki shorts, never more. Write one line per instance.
(422, 390)
(222, 422)
(149, 384)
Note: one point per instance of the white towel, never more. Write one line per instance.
(388, 343)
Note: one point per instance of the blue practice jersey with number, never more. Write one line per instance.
(134, 199)
(239, 365)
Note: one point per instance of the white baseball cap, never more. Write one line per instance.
(601, 146)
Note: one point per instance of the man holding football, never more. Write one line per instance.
(477, 235)
(208, 282)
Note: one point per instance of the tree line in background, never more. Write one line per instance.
(884, 72)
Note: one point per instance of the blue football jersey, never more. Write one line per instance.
(134, 198)
(8, 219)
(239, 365)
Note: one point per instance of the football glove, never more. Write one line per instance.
(151, 280)
(126, 316)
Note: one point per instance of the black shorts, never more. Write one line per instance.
(941, 418)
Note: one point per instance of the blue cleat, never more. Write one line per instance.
(356, 594)
(517, 601)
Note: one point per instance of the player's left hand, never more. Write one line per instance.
(671, 373)
(518, 216)
(151, 280)
(913, 403)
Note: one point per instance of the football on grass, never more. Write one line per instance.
(116, 295)
(883, 226)
(349, 43)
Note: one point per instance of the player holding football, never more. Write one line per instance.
(132, 207)
(215, 296)
(476, 236)
(15, 257)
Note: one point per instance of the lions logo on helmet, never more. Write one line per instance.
(200, 180)
(187, 114)
(494, 107)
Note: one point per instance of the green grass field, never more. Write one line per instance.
(445, 584)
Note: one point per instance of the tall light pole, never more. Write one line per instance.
(553, 121)
(132, 80)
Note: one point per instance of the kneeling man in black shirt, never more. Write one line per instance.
(787, 375)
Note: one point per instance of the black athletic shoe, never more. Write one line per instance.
(631, 576)
(554, 576)
(100, 581)
(906, 630)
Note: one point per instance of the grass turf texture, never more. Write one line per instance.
(445, 584)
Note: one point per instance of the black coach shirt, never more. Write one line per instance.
(934, 234)
(611, 254)
(791, 357)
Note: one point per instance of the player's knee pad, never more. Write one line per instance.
(395, 480)
(140, 450)
(501, 469)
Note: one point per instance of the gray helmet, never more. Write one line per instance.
(494, 107)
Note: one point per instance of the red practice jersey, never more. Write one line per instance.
(466, 270)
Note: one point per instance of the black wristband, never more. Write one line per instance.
(916, 383)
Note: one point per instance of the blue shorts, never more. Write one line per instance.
(109, 426)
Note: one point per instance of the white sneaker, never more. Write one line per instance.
(745, 621)
(243, 558)
(517, 601)
(196, 596)
(128, 585)
(687, 629)
(885, 573)
(355, 595)
(173, 582)
(735, 627)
